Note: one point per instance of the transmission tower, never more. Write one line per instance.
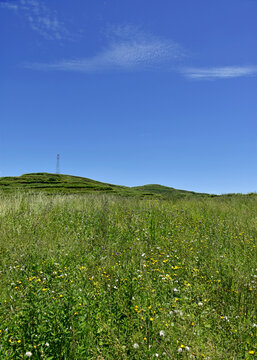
(58, 164)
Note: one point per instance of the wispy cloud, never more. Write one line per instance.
(127, 48)
(219, 72)
(9, 5)
(39, 17)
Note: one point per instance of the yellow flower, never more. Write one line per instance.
(19, 341)
(251, 352)
(151, 319)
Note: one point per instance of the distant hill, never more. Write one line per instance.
(68, 184)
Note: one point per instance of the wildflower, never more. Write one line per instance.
(180, 350)
(251, 352)
(135, 346)
(187, 348)
(162, 333)
(200, 304)
(28, 354)
(46, 344)
(157, 355)
(151, 319)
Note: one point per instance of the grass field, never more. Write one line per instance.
(108, 277)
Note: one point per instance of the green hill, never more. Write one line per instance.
(68, 184)
(165, 191)
(52, 183)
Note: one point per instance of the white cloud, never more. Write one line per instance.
(10, 6)
(225, 72)
(127, 49)
(39, 17)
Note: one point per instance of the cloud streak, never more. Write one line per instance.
(226, 72)
(127, 49)
(39, 17)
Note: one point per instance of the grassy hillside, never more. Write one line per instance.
(165, 191)
(67, 184)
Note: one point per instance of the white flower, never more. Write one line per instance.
(254, 325)
(187, 348)
(180, 350)
(135, 346)
(28, 354)
(47, 344)
(175, 290)
(157, 355)
(200, 304)
(225, 318)
(179, 312)
(162, 333)
(143, 254)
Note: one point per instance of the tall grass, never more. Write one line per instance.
(99, 277)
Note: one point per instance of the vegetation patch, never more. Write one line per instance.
(100, 276)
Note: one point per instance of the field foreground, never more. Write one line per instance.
(103, 277)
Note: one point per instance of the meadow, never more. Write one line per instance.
(99, 276)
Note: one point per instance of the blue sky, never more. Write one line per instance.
(131, 92)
